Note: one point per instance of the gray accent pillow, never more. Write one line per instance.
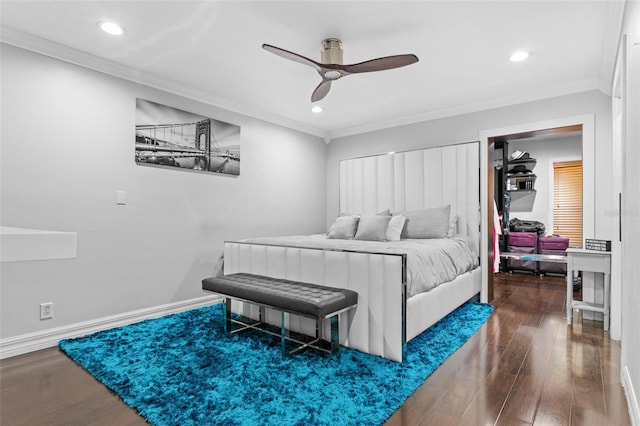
(427, 223)
(372, 228)
(343, 228)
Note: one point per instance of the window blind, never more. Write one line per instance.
(567, 199)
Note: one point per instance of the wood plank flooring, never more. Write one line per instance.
(524, 367)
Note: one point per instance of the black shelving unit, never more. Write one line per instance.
(516, 178)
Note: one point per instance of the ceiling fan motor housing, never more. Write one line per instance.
(331, 52)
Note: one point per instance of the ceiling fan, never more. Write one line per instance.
(331, 68)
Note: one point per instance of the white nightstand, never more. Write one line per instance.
(588, 261)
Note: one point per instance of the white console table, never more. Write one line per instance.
(588, 261)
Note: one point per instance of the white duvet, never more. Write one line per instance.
(429, 262)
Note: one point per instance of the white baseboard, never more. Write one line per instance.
(632, 397)
(30, 342)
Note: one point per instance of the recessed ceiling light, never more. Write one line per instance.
(111, 28)
(518, 56)
(316, 108)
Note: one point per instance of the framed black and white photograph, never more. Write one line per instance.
(170, 137)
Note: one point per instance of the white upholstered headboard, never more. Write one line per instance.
(414, 180)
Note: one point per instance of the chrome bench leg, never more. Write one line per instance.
(227, 316)
(284, 335)
(335, 334)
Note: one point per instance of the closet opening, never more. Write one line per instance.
(537, 190)
(583, 125)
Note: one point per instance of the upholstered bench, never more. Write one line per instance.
(309, 300)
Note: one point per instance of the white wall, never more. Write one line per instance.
(68, 146)
(630, 342)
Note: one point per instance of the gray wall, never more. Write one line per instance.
(67, 147)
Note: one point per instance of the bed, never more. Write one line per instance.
(393, 306)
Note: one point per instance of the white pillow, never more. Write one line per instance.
(394, 229)
(453, 225)
(343, 228)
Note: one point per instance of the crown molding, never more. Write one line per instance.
(523, 97)
(64, 53)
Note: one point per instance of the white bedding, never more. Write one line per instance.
(430, 262)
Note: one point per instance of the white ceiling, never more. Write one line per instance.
(211, 51)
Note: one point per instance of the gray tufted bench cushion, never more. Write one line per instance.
(310, 300)
(307, 299)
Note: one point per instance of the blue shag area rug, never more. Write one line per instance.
(183, 369)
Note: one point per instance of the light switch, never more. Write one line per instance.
(121, 198)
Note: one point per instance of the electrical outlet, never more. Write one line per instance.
(46, 310)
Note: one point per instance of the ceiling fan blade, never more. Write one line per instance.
(292, 56)
(321, 91)
(381, 64)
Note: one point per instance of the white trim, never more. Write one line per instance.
(30, 342)
(631, 395)
(617, 168)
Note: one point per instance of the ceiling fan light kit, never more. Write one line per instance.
(331, 67)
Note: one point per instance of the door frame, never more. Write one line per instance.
(587, 121)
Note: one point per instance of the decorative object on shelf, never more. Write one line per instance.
(172, 138)
(517, 155)
(522, 158)
(520, 176)
(598, 245)
(521, 182)
(519, 169)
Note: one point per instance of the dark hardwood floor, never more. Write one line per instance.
(525, 366)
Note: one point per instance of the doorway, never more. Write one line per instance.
(488, 140)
